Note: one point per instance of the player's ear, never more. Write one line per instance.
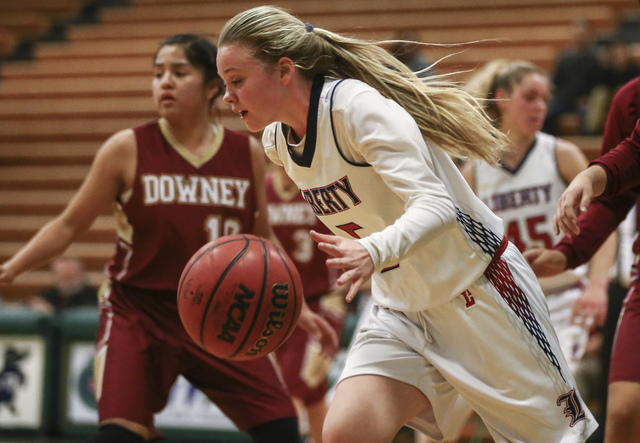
(500, 96)
(286, 68)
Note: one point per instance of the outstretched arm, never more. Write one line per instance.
(105, 181)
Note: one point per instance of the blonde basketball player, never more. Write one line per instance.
(458, 315)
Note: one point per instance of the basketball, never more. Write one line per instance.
(240, 297)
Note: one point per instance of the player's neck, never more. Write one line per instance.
(194, 136)
(519, 146)
(297, 107)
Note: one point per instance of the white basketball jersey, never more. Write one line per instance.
(428, 234)
(526, 199)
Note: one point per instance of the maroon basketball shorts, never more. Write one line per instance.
(303, 367)
(625, 358)
(142, 348)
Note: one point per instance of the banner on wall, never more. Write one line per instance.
(22, 366)
(187, 408)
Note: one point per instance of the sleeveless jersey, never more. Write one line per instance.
(454, 234)
(292, 218)
(526, 199)
(178, 203)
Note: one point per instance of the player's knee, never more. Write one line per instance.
(284, 430)
(111, 433)
(335, 431)
(335, 435)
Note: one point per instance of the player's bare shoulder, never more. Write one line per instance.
(122, 144)
(117, 157)
(570, 159)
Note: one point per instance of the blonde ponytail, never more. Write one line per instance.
(446, 114)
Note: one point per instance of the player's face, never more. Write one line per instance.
(526, 107)
(178, 86)
(252, 90)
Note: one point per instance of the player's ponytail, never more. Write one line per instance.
(445, 114)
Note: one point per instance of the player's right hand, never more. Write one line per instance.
(546, 262)
(6, 275)
(350, 257)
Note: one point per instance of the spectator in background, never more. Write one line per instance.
(576, 73)
(617, 67)
(71, 288)
(409, 51)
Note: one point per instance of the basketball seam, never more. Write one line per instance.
(202, 254)
(218, 283)
(260, 299)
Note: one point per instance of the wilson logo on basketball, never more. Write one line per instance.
(236, 314)
(279, 297)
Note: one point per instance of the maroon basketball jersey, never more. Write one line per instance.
(292, 218)
(178, 203)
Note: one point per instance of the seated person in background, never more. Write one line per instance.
(71, 288)
(576, 73)
(617, 67)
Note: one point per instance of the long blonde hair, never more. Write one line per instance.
(445, 114)
(495, 75)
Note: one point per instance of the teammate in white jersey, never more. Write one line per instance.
(458, 315)
(525, 189)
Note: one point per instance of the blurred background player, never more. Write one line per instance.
(165, 180)
(304, 367)
(525, 189)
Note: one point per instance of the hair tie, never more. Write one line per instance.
(308, 27)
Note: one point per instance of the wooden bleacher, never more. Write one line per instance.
(57, 110)
(21, 19)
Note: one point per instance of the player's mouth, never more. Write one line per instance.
(166, 98)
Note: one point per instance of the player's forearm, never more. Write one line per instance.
(601, 263)
(49, 242)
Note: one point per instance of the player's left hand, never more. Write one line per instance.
(320, 329)
(349, 256)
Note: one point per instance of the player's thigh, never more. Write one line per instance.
(371, 408)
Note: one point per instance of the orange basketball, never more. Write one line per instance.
(240, 297)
